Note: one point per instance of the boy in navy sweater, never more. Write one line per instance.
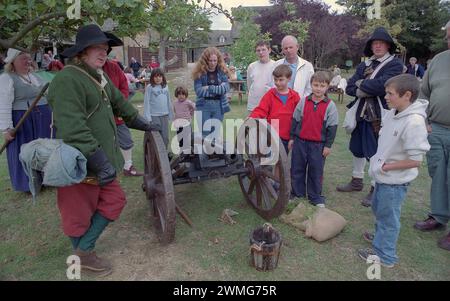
(313, 131)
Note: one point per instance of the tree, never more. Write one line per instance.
(217, 8)
(420, 23)
(25, 22)
(243, 49)
(179, 23)
(394, 29)
(294, 26)
(355, 7)
(416, 25)
(330, 39)
(283, 19)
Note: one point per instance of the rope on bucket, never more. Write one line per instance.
(265, 248)
(258, 247)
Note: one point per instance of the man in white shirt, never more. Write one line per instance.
(259, 75)
(302, 70)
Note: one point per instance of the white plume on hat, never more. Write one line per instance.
(11, 55)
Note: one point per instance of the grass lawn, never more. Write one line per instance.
(33, 247)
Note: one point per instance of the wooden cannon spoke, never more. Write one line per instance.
(267, 204)
(162, 217)
(251, 187)
(270, 188)
(269, 174)
(258, 194)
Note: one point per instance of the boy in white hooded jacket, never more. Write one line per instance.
(401, 146)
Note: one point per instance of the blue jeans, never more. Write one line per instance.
(386, 206)
(211, 109)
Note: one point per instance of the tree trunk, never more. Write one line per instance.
(162, 53)
(184, 58)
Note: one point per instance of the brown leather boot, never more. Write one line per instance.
(356, 184)
(444, 242)
(430, 224)
(367, 201)
(90, 261)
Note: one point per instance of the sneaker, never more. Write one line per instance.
(366, 253)
(320, 205)
(132, 172)
(292, 201)
(367, 236)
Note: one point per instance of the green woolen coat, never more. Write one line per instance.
(84, 116)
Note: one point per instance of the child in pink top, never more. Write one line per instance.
(184, 111)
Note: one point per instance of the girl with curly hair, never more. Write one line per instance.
(211, 86)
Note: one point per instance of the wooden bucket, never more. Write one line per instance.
(265, 244)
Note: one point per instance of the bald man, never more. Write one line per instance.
(302, 70)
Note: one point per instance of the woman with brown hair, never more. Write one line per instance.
(211, 86)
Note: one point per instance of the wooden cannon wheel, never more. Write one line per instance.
(158, 186)
(266, 187)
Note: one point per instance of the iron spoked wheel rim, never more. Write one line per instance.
(158, 186)
(265, 187)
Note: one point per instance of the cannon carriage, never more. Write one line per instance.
(262, 173)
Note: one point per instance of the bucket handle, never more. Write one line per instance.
(267, 227)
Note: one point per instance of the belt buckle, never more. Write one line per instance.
(90, 181)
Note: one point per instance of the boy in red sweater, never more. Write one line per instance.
(279, 103)
(313, 131)
(118, 78)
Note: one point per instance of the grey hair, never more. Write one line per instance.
(294, 39)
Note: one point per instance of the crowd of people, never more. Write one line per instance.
(395, 119)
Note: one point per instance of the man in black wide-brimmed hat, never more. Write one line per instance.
(367, 85)
(84, 102)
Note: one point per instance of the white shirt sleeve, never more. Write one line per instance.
(309, 74)
(249, 77)
(6, 101)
